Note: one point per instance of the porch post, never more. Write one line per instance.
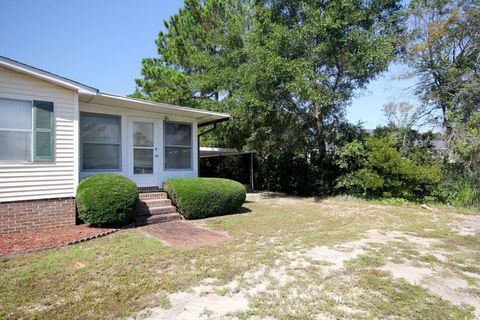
(252, 185)
(198, 155)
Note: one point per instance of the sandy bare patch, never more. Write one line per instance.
(446, 286)
(450, 288)
(210, 301)
(200, 303)
(466, 225)
(336, 257)
(412, 274)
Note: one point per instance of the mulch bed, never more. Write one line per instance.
(48, 238)
(185, 235)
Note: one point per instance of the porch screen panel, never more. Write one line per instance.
(142, 147)
(101, 139)
(178, 146)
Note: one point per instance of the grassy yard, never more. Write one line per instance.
(292, 258)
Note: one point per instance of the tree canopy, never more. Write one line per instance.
(284, 69)
(287, 70)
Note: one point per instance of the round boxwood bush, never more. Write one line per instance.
(205, 197)
(106, 199)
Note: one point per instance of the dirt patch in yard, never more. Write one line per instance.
(42, 239)
(466, 225)
(200, 302)
(210, 300)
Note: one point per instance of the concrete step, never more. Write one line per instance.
(146, 211)
(162, 210)
(153, 195)
(144, 220)
(145, 205)
(157, 202)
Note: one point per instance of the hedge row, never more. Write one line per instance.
(205, 197)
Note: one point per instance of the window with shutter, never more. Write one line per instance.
(43, 131)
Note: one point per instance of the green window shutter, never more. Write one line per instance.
(43, 131)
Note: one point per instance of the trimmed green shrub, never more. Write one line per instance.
(106, 199)
(205, 197)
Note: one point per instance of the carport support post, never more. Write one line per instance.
(198, 154)
(252, 185)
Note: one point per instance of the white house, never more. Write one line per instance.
(55, 131)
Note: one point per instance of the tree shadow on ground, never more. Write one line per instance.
(242, 210)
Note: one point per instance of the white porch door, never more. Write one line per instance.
(144, 152)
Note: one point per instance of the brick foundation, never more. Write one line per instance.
(33, 214)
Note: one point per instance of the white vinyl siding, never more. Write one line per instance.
(28, 181)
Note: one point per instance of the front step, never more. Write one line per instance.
(155, 207)
(159, 218)
(145, 205)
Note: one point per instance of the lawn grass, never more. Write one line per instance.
(123, 273)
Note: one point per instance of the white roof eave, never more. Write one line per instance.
(199, 114)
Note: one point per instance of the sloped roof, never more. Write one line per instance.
(204, 117)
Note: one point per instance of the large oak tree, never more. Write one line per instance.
(285, 70)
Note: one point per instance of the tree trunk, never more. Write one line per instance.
(448, 134)
(446, 122)
(320, 137)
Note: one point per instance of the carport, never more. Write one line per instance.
(208, 152)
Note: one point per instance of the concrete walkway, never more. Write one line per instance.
(184, 234)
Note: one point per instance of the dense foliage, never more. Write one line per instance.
(106, 199)
(205, 197)
(286, 71)
(374, 167)
(443, 49)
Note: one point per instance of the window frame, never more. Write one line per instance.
(165, 146)
(103, 115)
(35, 130)
(134, 147)
(29, 161)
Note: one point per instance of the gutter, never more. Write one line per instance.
(214, 122)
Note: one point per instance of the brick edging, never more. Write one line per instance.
(99, 235)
